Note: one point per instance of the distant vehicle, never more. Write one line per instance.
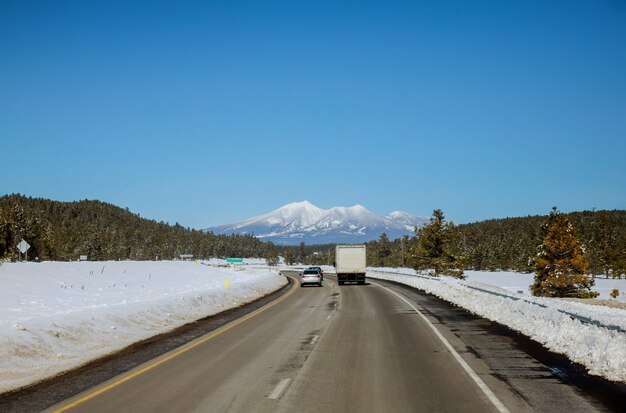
(319, 269)
(310, 276)
(350, 263)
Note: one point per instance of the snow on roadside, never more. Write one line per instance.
(55, 316)
(515, 281)
(601, 350)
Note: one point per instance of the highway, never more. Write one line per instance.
(340, 349)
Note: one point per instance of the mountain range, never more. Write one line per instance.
(304, 222)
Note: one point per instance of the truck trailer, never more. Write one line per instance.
(350, 261)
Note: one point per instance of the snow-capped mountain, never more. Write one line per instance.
(303, 221)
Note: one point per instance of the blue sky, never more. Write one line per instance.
(205, 113)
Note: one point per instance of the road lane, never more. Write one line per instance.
(370, 354)
(522, 373)
(377, 356)
(233, 371)
(340, 349)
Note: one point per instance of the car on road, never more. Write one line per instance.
(319, 269)
(310, 276)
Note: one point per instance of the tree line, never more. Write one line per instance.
(496, 244)
(512, 244)
(560, 265)
(64, 231)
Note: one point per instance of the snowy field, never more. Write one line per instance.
(514, 282)
(602, 350)
(55, 316)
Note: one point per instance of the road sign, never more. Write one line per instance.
(23, 246)
(233, 260)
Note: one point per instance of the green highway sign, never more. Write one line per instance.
(234, 260)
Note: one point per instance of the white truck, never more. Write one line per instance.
(350, 263)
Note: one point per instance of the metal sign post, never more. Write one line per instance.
(23, 247)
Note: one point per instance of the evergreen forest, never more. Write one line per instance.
(63, 231)
(512, 243)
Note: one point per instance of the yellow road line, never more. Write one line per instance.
(182, 350)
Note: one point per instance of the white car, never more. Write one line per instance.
(319, 269)
(310, 277)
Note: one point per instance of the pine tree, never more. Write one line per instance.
(331, 257)
(289, 257)
(379, 252)
(301, 252)
(271, 254)
(560, 265)
(435, 246)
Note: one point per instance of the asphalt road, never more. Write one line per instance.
(341, 349)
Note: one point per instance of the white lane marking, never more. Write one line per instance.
(314, 339)
(279, 389)
(481, 384)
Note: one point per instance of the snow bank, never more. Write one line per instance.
(55, 316)
(601, 350)
(515, 281)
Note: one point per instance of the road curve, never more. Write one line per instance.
(340, 349)
(370, 353)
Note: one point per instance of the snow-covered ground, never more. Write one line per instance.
(601, 350)
(514, 282)
(55, 316)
